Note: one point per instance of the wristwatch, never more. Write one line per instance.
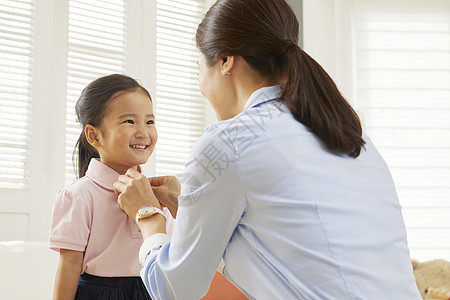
(146, 212)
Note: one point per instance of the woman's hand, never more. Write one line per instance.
(166, 189)
(134, 192)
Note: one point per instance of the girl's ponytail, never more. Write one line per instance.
(315, 101)
(85, 153)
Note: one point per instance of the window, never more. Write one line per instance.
(96, 48)
(180, 108)
(16, 61)
(403, 87)
(41, 79)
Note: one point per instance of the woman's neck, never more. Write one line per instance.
(243, 85)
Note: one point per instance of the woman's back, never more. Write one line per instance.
(317, 225)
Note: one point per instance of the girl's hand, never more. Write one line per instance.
(166, 189)
(134, 192)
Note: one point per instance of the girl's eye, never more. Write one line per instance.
(150, 122)
(129, 121)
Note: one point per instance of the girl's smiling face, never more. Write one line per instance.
(127, 134)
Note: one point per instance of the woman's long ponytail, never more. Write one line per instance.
(265, 34)
(315, 101)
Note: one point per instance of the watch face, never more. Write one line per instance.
(145, 210)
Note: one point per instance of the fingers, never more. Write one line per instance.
(121, 184)
(157, 181)
(129, 209)
(160, 193)
(132, 173)
(126, 180)
(118, 187)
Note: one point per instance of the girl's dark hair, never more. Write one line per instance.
(91, 107)
(265, 33)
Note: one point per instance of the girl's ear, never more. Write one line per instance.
(92, 136)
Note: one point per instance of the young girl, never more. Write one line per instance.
(94, 236)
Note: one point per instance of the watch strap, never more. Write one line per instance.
(153, 211)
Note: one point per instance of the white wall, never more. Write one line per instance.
(25, 214)
(327, 36)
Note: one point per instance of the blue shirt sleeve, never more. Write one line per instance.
(211, 203)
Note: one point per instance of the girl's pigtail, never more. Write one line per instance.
(85, 153)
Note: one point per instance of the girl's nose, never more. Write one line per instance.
(141, 131)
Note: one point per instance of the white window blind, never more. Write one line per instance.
(16, 38)
(96, 47)
(403, 92)
(180, 108)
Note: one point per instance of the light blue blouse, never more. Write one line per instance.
(290, 219)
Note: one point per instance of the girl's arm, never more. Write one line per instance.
(67, 275)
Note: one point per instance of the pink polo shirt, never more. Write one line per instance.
(87, 217)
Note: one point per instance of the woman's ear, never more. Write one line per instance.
(227, 65)
(92, 136)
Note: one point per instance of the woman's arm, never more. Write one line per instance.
(210, 205)
(67, 275)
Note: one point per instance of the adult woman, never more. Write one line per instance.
(285, 187)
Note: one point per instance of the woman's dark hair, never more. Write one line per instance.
(265, 33)
(91, 107)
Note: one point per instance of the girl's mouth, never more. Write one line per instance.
(139, 147)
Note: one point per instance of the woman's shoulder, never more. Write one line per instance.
(257, 125)
(215, 139)
(252, 118)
